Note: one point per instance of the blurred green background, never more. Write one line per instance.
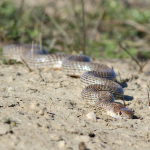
(58, 24)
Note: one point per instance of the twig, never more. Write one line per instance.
(120, 76)
(26, 64)
(137, 26)
(18, 14)
(40, 75)
(40, 41)
(58, 27)
(124, 101)
(148, 96)
(99, 10)
(45, 27)
(71, 7)
(140, 66)
(52, 43)
(84, 34)
(32, 50)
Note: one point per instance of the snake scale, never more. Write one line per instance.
(97, 79)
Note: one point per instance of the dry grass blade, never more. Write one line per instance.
(40, 41)
(52, 44)
(84, 33)
(32, 51)
(124, 101)
(120, 76)
(148, 96)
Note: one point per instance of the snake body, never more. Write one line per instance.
(16, 52)
(38, 60)
(97, 79)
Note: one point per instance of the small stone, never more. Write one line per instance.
(83, 138)
(61, 144)
(41, 112)
(38, 125)
(32, 80)
(82, 146)
(34, 106)
(9, 79)
(18, 74)
(10, 89)
(55, 137)
(4, 128)
(91, 115)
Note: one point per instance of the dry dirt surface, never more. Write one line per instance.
(45, 111)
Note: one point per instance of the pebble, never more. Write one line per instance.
(10, 89)
(82, 146)
(55, 137)
(83, 138)
(4, 128)
(41, 112)
(91, 115)
(32, 80)
(34, 106)
(61, 144)
(9, 79)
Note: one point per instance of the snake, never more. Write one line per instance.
(97, 80)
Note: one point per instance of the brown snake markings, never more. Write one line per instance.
(97, 79)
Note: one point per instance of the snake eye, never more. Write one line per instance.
(120, 113)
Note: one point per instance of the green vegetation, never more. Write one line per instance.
(9, 121)
(60, 28)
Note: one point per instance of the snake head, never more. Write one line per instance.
(125, 113)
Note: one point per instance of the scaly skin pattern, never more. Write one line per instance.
(97, 79)
(115, 110)
(15, 52)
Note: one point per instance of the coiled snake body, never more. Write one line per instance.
(97, 79)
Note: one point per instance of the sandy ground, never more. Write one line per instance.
(46, 112)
